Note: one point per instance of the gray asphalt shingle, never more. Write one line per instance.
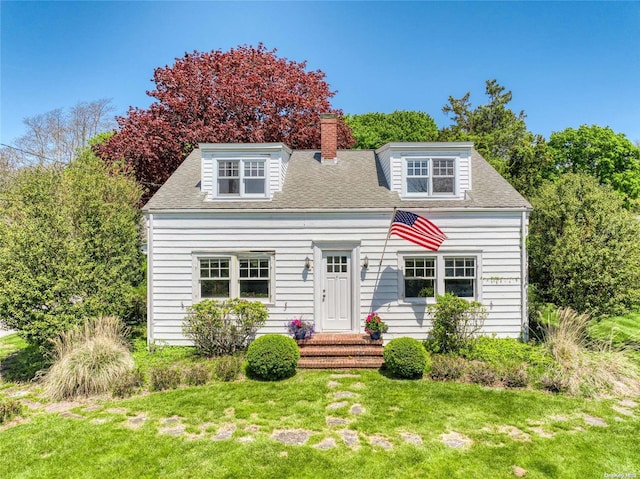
(355, 181)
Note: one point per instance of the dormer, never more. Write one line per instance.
(238, 171)
(427, 170)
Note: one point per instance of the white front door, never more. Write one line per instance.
(336, 291)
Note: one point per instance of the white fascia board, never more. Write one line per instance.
(327, 211)
(245, 147)
(431, 145)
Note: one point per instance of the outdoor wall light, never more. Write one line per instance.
(365, 262)
(307, 263)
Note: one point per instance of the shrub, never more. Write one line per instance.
(583, 247)
(405, 357)
(505, 351)
(128, 384)
(479, 372)
(220, 328)
(227, 368)
(197, 374)
(89, 359)
(164, 377)
(447, 368)
(272, 357)
(515, 375)
(69, 247)
(9, 409)
(455, 322)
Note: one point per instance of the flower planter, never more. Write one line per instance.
(375, 335)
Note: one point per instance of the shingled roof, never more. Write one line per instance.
(356, 181)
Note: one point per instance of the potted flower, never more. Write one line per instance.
(300, 329)
(374, 326)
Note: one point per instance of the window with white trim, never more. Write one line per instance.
(425, 277)
(425, 176)
(460, 276)
(241, 177)
(241, 275)
(419, 277)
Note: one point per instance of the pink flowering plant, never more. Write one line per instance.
(300, 329)
(374, 324)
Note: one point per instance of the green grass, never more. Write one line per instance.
(47, 445)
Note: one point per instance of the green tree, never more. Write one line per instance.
(501, 136)
(584, 247)
(372, 130)
(600, 152)
(69, 246)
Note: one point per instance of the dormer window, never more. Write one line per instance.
(244, 177)
(425, 176)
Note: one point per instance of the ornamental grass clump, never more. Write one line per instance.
(9, 409)
(583, 367)
(89, 359)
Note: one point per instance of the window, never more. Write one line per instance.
(242, 177)
(418, 176)
(419, 277)
(425, 277)
(460, 276)
(247, 276)
(430, 176)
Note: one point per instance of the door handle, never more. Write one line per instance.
(324, 294)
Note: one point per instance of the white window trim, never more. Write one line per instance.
(234, 273)
(439, 257)
(430, 194)
(241, 159)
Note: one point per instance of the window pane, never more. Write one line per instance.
(254, 288)
(443, 168)
(214, 288)
(418, 168)
(463, 288)
(442, 185)
(254, 168)
(417, 185)
(228, 169)
(228, 186)
(254, 186)
(419, 288)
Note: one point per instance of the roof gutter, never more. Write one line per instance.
(332, 211)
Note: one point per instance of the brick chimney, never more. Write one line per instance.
(328, 137)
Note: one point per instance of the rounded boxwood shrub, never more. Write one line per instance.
(405, 357)
(272, 357)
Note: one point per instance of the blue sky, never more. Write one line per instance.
(566, 63)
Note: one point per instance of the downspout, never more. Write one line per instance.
(524, 276)
(150, 280)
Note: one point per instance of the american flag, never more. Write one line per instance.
(417, 229)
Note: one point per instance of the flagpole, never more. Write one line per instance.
(393, 215)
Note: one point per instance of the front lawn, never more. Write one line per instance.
(359, 424)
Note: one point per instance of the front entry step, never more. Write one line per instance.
(340, 351)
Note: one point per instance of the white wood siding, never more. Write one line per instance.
(494, 236)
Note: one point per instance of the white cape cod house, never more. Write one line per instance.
(304, 231)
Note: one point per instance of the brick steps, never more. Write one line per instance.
(340, 351)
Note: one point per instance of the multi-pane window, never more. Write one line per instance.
(460, 276)
(214, 278)
(241, 178)
(229, 177)
(426, 277)
(418, 176)
(336, 264)
(236, 276)
(430, 176)
(419, 277)
(254, 177)
(443, 176)
(254, 278)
